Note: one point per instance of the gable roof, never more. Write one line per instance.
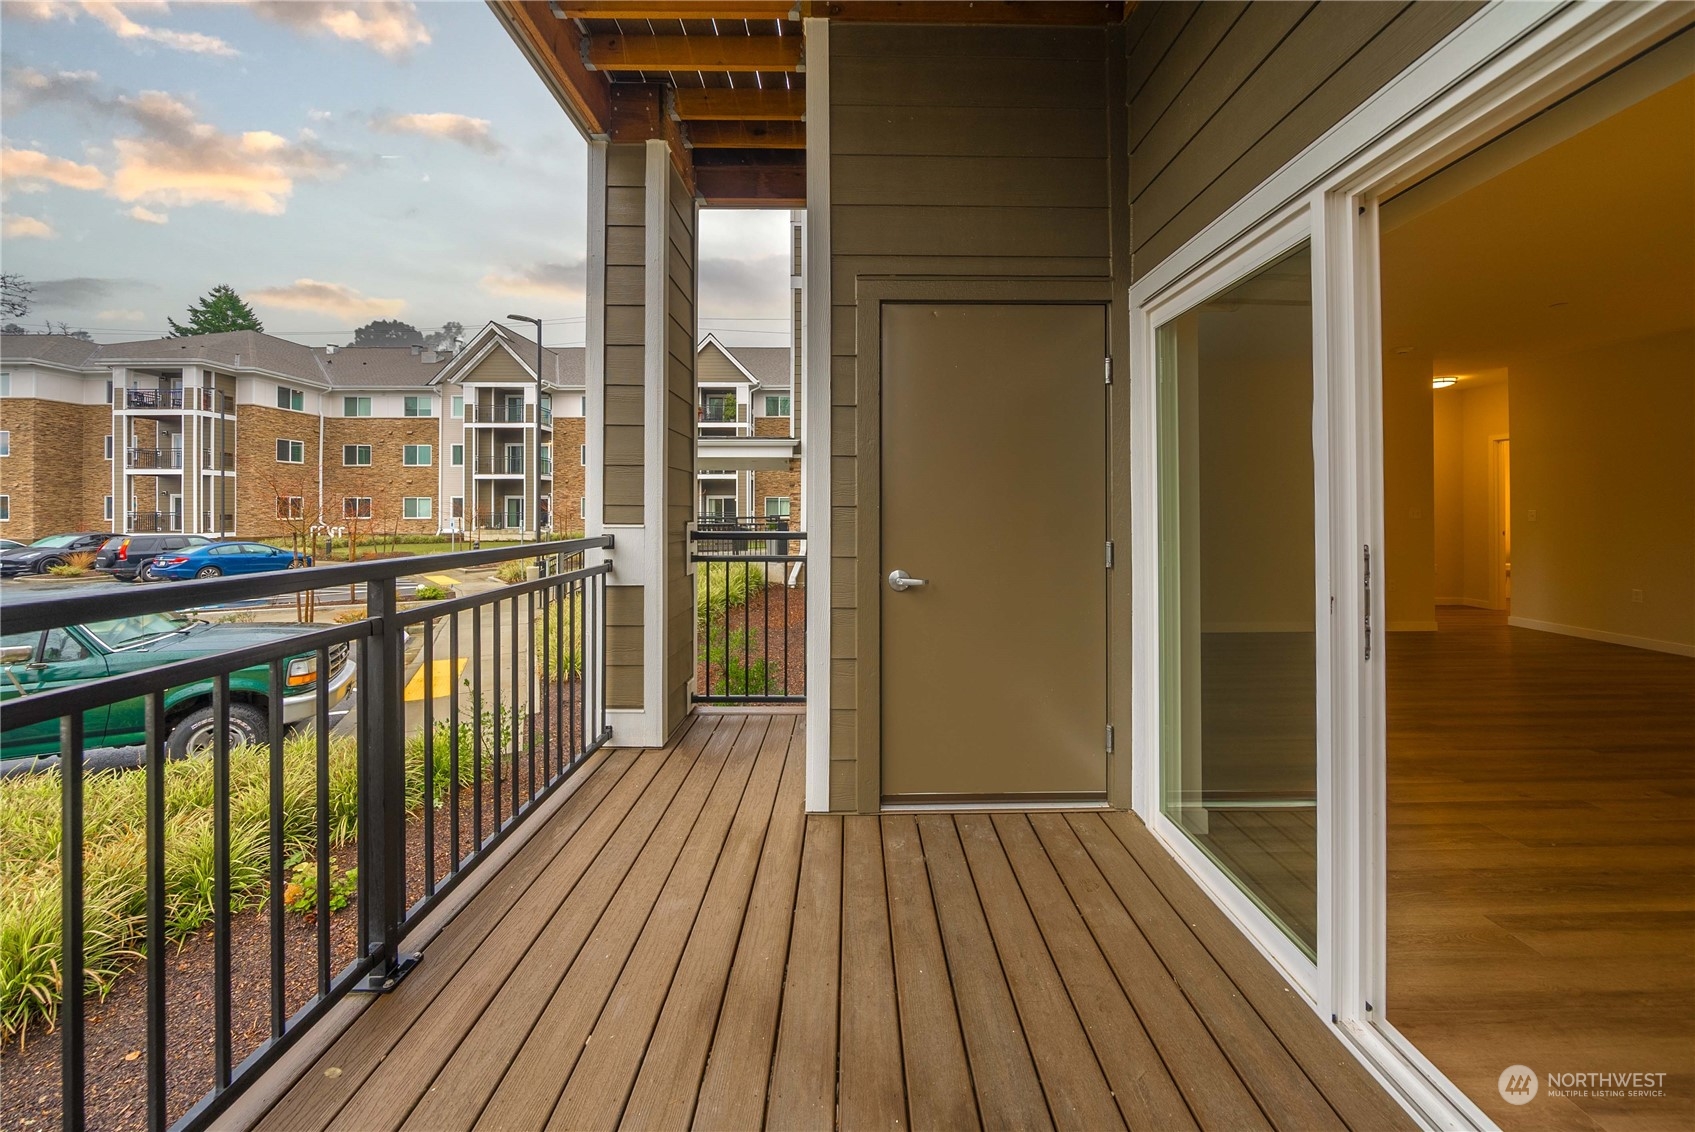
(561, 365)
(769, 365)
(52, 349)
(379, 367)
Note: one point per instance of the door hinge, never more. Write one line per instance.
(1109, 371)
(1109, 738)
(1109, 554)
(1368, 602)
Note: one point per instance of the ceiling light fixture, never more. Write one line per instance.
(1443, 382)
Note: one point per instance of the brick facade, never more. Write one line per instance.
(260, 477)
(569, 475)
(387, 481)
(786, 482)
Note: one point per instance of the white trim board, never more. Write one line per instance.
(816, 402)
(1676, 648)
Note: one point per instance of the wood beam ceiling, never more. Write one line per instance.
(676, 10)
(1032, 12)
(747, 135)
(745, 104)
(751, 179)
(693, 53)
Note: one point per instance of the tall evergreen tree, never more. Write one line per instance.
(219, 311)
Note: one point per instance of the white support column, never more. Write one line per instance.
(594, 355)
(815, 423)
(652, 567)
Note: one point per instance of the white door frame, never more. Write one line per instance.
(1504, 65)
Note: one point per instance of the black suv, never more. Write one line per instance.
(130, 558)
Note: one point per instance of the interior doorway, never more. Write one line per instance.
(1539, 479)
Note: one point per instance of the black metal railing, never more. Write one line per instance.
(154, 457)
(750, 616)
(467, 713)
(499, 414)
(499, 465)
(152, 522)
(152, 398)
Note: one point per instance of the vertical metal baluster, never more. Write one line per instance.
(573, 667)
(530, 683)
(367, 707)
(517, 727)
(765, 640)
(707, 620)
(429, 758)
(786, 595)
(747, 620)
(600, 666)
(279, 870)
(71, 923)
(156, 1084)
(549, 768)
(221, 880)
(499, 710)
(321, 830)
(477, 709)
(453, 744)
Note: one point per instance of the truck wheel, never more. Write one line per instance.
(193, 733)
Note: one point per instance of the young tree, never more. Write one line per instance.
(15, 292)
(299, 524)
(388, 332)
(220, 311)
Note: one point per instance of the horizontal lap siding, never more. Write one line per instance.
(680, 450)
(1225, 94)
(625, 435)
(955, 151)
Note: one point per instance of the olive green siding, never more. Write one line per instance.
(499, 368)
(715, 366)
(679, 446)
(1223, 94)
(955, 152)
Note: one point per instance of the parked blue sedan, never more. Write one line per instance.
(220, 558)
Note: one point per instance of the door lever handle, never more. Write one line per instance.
(901, 580)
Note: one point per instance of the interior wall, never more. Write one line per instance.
(1447, 483)
(1604, 455)
(1410, 558)
(1464, 511)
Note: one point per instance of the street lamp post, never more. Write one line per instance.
(534, 512)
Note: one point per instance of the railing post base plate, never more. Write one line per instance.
(381, 982)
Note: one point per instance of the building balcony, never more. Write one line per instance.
(499, 414)
(152, 522)
(176, 400)
(210, 461)
(747, 453)
(153, 459)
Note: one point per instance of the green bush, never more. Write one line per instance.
(549, 664)
(429, 593)
(726, 585)
(513, 570)
(733, 678)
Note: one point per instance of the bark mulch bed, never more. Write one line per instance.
(116, 1029)
(781, 645)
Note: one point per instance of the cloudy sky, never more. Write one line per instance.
(334, 162)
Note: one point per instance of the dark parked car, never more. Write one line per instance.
(10, 544)
(43, 554)
(129, 558)
(217, 558)
(59, 658)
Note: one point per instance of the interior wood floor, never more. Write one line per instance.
(1542, 864)
(679, 945)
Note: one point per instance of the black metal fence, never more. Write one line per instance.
(509, 688)
(750, 613)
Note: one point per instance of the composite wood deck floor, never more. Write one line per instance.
(679, 945)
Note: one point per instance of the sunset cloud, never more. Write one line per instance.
(147, 215)
(328, 298)
(26, 228)
(171, 158)
(390, 28)
(539, 280)
(471, 132)
(31, 171)
(118, 21)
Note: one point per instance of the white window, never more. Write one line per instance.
(458, 407)
(583, 508)
(356, 455)
(290, 507)
(6, 384)
(417, 507)
(420, 406)
(5, 509)
(546, 468)
(108, 392)
(291, 452)
(777, 405)
(776, 507)
(356, 506)
(416, 456)
(107, 506)
(457, 455)
(291, 398)
(355, 406)
(108, 447)
(5, 442)
(458, 506)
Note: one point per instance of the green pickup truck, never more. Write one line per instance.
(31, 663)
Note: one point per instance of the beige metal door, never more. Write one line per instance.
(994, 495)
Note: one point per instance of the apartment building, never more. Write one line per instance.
(247, 433)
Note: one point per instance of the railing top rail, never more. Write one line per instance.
(53, 613)
(729, 534)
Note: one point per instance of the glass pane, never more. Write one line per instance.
(1240, 728)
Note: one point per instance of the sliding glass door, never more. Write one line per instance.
(1238, 588)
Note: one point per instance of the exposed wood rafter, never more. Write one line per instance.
(747, 135)
(1032, 12)
(675, 10)
(744, 104)
(692, 53)
(742, 178)
(638, 115)
(555, 48)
